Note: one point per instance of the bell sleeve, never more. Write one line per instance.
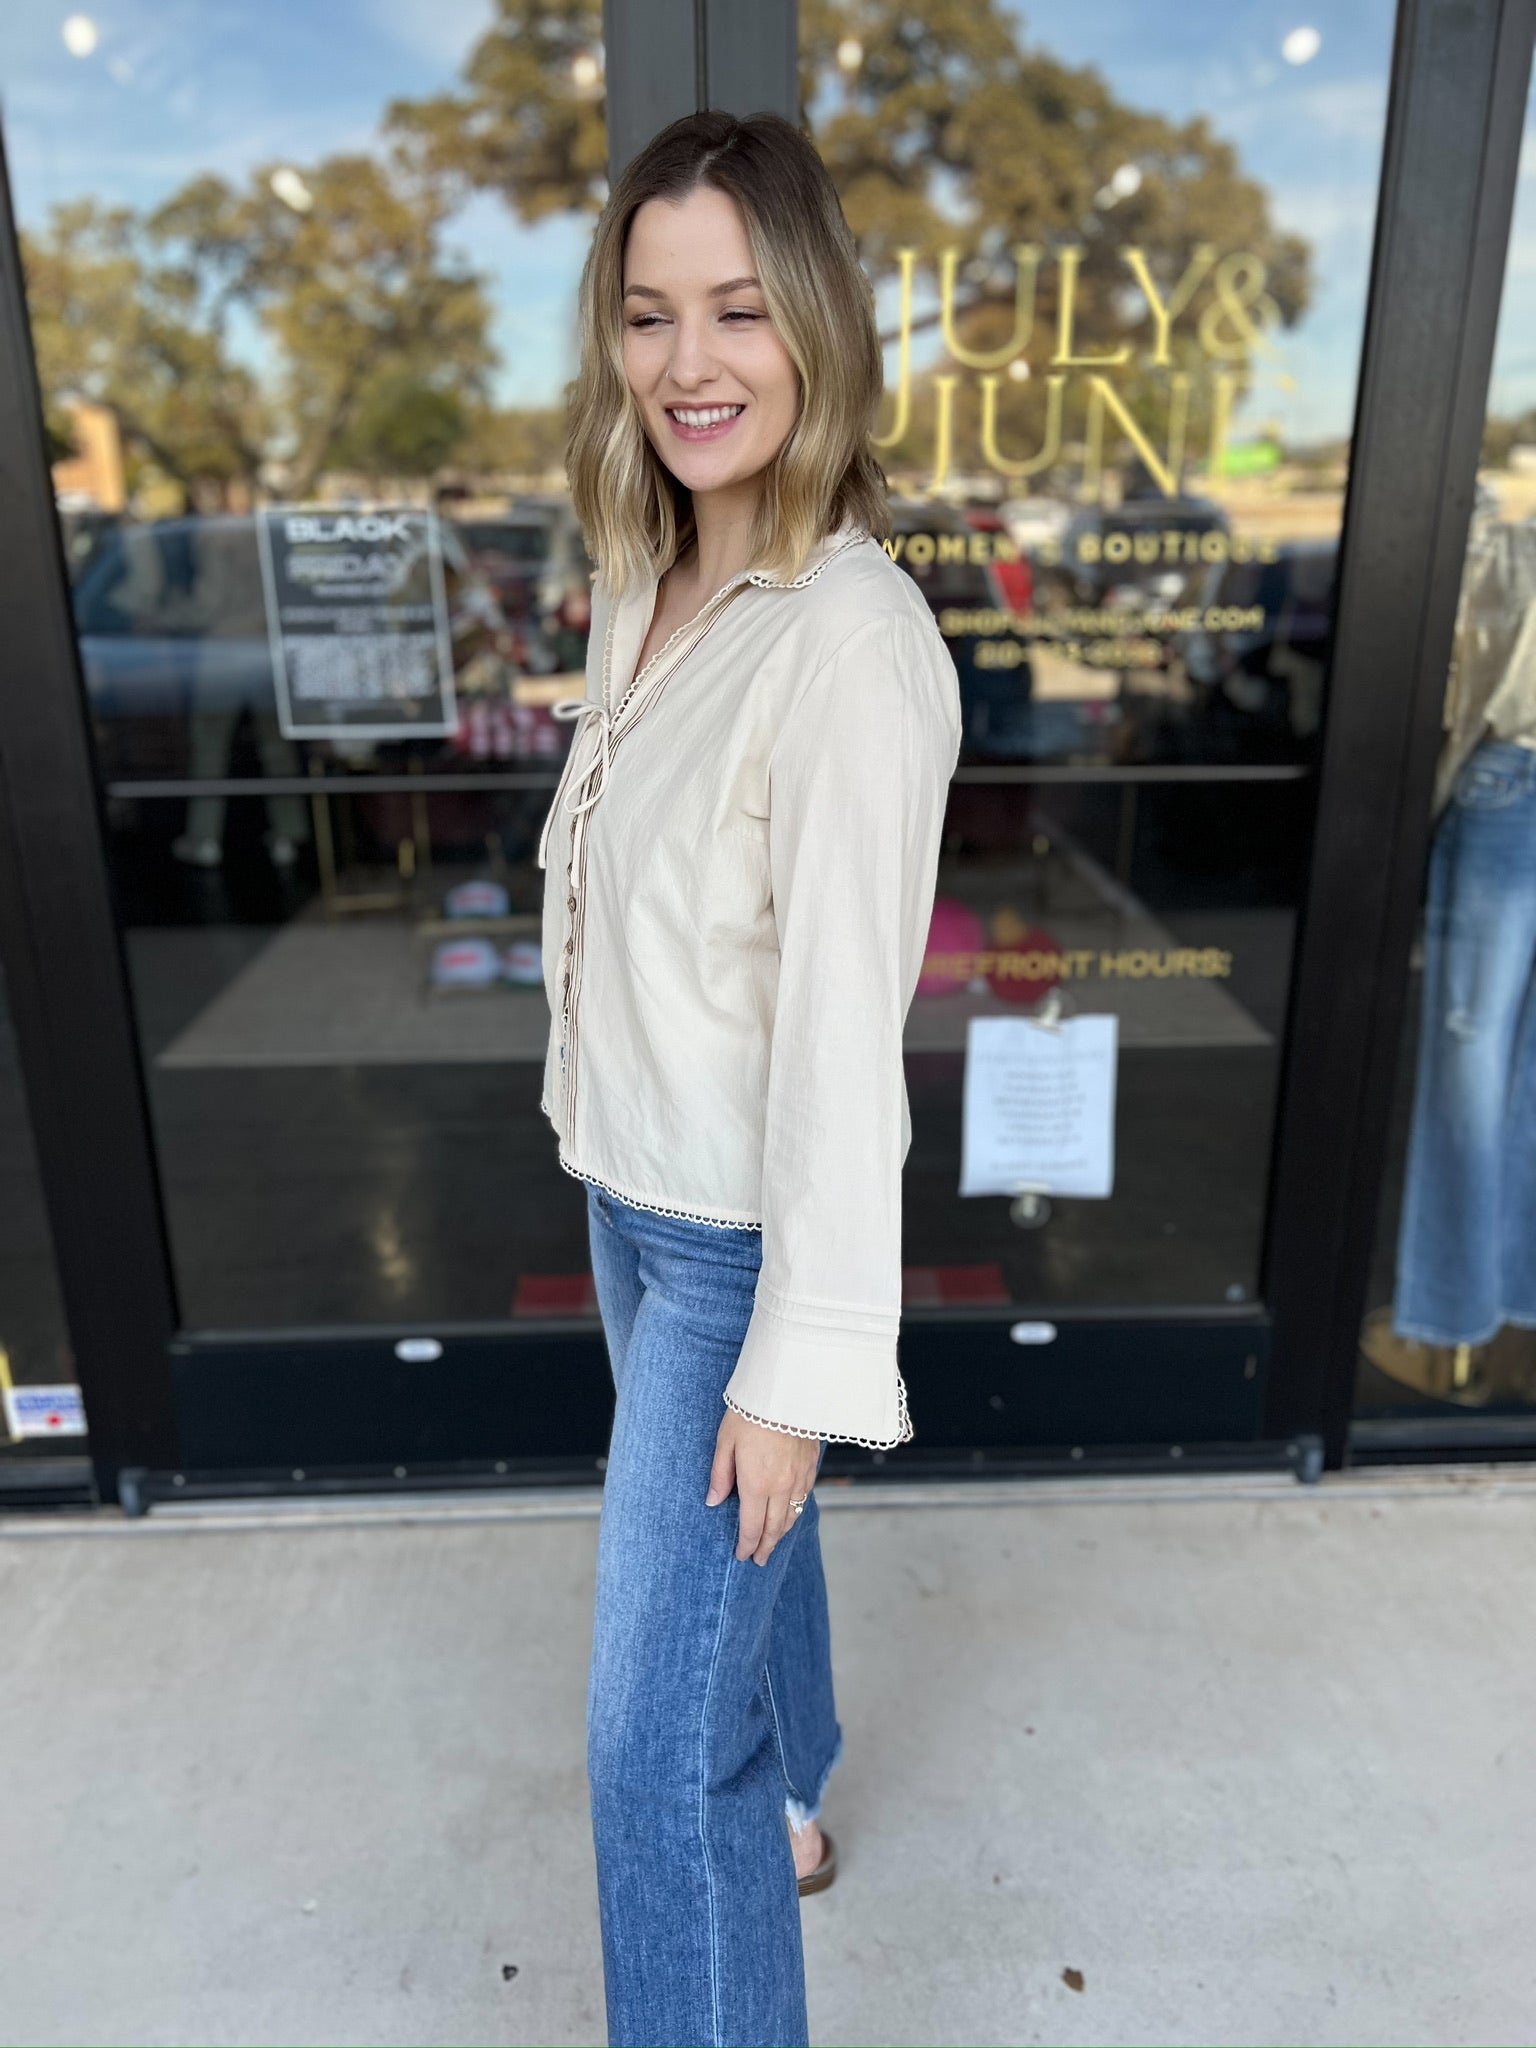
(858, 783)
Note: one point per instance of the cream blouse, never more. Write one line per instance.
(746, 839)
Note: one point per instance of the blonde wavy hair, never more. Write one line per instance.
(636, 516)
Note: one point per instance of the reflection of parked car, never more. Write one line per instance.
(509, 555)
(172, 624)
(1267, 664)
(1010, 570)
(1146, 550)
(83, 528)
(565, 594)
(932, 543)
(568, 566)
(1002, 718)
(534, 557)
(170, 614)
(1005, 717)
(509, 550)
(1035, 523)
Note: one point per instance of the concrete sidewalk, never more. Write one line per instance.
(1245, 1761)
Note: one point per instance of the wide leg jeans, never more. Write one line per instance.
(1466, 1253)
(710, 1711)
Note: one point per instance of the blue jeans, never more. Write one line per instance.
(709, 1711)
(1466, 1253)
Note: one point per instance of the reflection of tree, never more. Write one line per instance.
(381, 337)
(402, 427)
(115, 320)
(942, 130)
(945, 129)
(373, 321)
(1501, 434)
(529, 122)
(523, 441)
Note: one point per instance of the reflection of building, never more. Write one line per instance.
(92, 478)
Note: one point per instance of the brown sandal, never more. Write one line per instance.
(818, 1879)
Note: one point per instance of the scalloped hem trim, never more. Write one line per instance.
(652, 1208)
(867, 1443)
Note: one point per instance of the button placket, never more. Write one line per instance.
(611, 725)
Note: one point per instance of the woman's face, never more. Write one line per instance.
(716, 386)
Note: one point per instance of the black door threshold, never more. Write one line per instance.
(27, 1482)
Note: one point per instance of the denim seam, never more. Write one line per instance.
(709, 1875)
(812, 1807)
(832, 1763)
(778, 1736)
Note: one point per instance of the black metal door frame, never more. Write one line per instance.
(65, 973)
(1236, 1386)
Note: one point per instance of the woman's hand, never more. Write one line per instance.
(768, 1469)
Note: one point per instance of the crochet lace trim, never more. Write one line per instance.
(869, 1443)
(654, 1208)
(766, 582)
(759, 577)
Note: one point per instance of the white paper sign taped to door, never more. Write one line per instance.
(1039, 1107)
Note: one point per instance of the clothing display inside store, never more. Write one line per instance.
(1466, 1252)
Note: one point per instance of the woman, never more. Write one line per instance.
(742, 855)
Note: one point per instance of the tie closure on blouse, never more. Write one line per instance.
(595, 775)
(588, 784)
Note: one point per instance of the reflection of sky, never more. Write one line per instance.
(180, 86)
(1513, 390)
(175, 87)
(1309, 133)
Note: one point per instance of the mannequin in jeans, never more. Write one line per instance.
(1466, 1255)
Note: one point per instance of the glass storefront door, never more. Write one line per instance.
(1121, 265)
(303, 314)
(303, 366)
(324, 734)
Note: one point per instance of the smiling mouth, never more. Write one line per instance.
(695, 422)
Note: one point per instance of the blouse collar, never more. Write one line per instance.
(628, 620)
(830, 544)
